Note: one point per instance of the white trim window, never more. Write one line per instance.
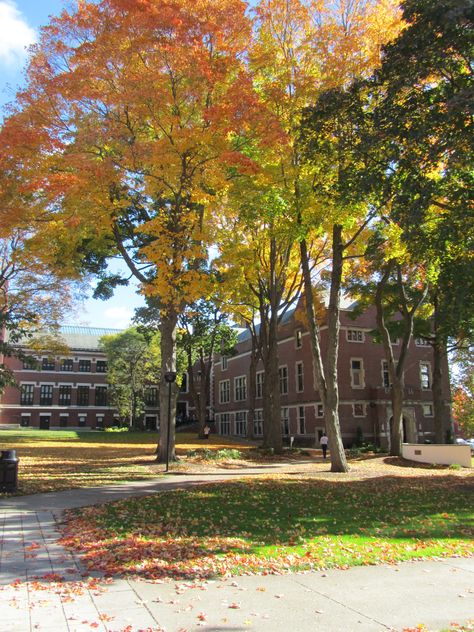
(319, 410)
(285, 421)
(224, 391)
(298, 339)
(258, 423)
(427, 410)
(355, 335)
(259, 381)
(301, 420)
(299, 374)
(241, 423)
(359, 410)
(357, 373)
(224, 363)
(224, 424)
(27, 394)
(425, 375)
(386, 383)
(283, 378)
(422, 342)
(240, 388)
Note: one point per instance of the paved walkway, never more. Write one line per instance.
(44, 587)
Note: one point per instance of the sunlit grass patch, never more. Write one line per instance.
(53, 460)
(276, 526)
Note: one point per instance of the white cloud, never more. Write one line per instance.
(15, 35)
(118, 317)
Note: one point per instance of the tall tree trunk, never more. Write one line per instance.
(252, 390)
(168, 324)
(396, 427)
(326, 377)
(271, 388)
(442, 414)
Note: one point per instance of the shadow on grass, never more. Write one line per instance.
(187, 533)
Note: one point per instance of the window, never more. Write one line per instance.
(48, 364)
(224, 391)
(184, 383)
(30, 363)
(425, 375)
(259, 380)
(385, 375)
(67, 364)
(298, 338)
(357, 373)
(99, 421)
(427, 410)
(240, 388)
(224, 424)
(151, 396)
(285, 421)
(82, 419)
(319, 410)
(83, 396)
(355, 335)
(394, 339)
(101, 396)
(299, 377)
(283, 376)
(241, 423)
(301, 420)
(63, 420)
(358, 410)
(101, 366)
(27, 394)
(85, 366)
(46, 394)
(422, 342)
(224, 363)
(65, 395)
(258, 423)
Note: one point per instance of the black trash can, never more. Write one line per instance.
(8, 471)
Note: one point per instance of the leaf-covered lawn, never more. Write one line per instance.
(57, 460)
(277, 526)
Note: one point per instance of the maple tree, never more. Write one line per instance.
(121, 148)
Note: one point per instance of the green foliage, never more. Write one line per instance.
(134, 364)
(206, 454)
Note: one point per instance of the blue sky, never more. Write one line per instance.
(20, 21)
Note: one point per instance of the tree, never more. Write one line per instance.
(33, 301)
(425, 118)
(134, 364)
(204, 330)
(463, 399)
(126, 145)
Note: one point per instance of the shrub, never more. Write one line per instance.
(206, 454)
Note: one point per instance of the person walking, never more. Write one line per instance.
(324, 444)
(207, 431)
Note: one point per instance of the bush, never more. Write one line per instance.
(206, 454)
(455, 466)
(125, 429)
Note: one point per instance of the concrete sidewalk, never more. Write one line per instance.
(44, 587)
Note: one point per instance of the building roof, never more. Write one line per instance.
(77, 337)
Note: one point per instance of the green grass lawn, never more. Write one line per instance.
(51, 460)
(280, 525)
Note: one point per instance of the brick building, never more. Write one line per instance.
(68, 391)
(363, 386)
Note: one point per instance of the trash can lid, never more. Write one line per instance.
(8, 454)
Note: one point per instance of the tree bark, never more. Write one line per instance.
(441, 411)
(168, 325)
(326, 374)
